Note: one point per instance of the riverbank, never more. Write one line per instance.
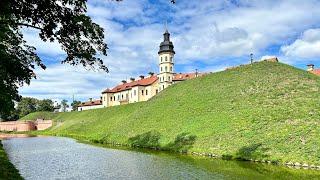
(265, 112)
(54, 157)
(7, 170)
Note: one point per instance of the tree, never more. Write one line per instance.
(75, 105)
(45, 105)
(63, 21)
(27, 105)
(64, 105)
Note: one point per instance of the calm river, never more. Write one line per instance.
(64, 158)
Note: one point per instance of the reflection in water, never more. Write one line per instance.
(64, 158)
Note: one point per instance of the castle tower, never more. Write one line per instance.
(166, 54)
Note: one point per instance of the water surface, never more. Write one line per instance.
(64, 158)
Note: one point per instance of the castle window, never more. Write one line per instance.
(166, 58)
(161, 59)
(134, 92)
(171, 59)
(114, 98)
(161, 69)
(142, 92)
(118, 97)
(171, 69)
(169, 78)
(146, 92)
(111, 98)
(122, 96)
(166, 68)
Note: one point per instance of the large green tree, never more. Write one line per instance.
(45, 105)
(75, 105)
(63, 21)
(27, 105)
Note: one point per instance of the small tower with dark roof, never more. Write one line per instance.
(166, 54)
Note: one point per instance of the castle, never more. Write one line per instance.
(145, 87)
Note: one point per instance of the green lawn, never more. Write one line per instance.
(7, 170)
(265, 111)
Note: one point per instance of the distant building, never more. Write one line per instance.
(146, 87)
(91, 104)
(313, 70)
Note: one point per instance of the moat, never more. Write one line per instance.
(64, 158)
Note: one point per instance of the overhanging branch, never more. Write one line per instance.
(29, 25)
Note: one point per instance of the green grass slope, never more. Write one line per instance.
(7, 170)
(266, 111)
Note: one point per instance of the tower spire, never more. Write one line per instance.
(166, 25)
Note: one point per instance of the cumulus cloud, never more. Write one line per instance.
(308, 46)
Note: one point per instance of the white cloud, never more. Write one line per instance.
(308, 46)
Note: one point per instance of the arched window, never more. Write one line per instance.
(166, 58)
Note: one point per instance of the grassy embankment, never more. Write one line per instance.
(7, 170)
(264, 111)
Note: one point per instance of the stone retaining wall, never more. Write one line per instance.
(20, 126)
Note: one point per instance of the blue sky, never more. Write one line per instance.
(208, 35)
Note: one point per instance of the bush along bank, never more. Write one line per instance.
(7, 169)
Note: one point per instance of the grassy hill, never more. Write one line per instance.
(266, 111)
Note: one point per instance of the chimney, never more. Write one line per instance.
(124, 81)
(151, 73)
(141, 77)
(132, 79)
(90, 99)
(310, 67)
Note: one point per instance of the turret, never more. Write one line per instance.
(166, 54)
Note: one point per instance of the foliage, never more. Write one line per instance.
(45, 105)
(26, 106)
(266, 111)
(64, 105)
(7, 170)
(75, 105)
(63, 21)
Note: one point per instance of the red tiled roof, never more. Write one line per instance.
(91, 103)
(316, 72)
(142, 82)
(186, 76)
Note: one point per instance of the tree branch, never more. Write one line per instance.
(28, 25)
